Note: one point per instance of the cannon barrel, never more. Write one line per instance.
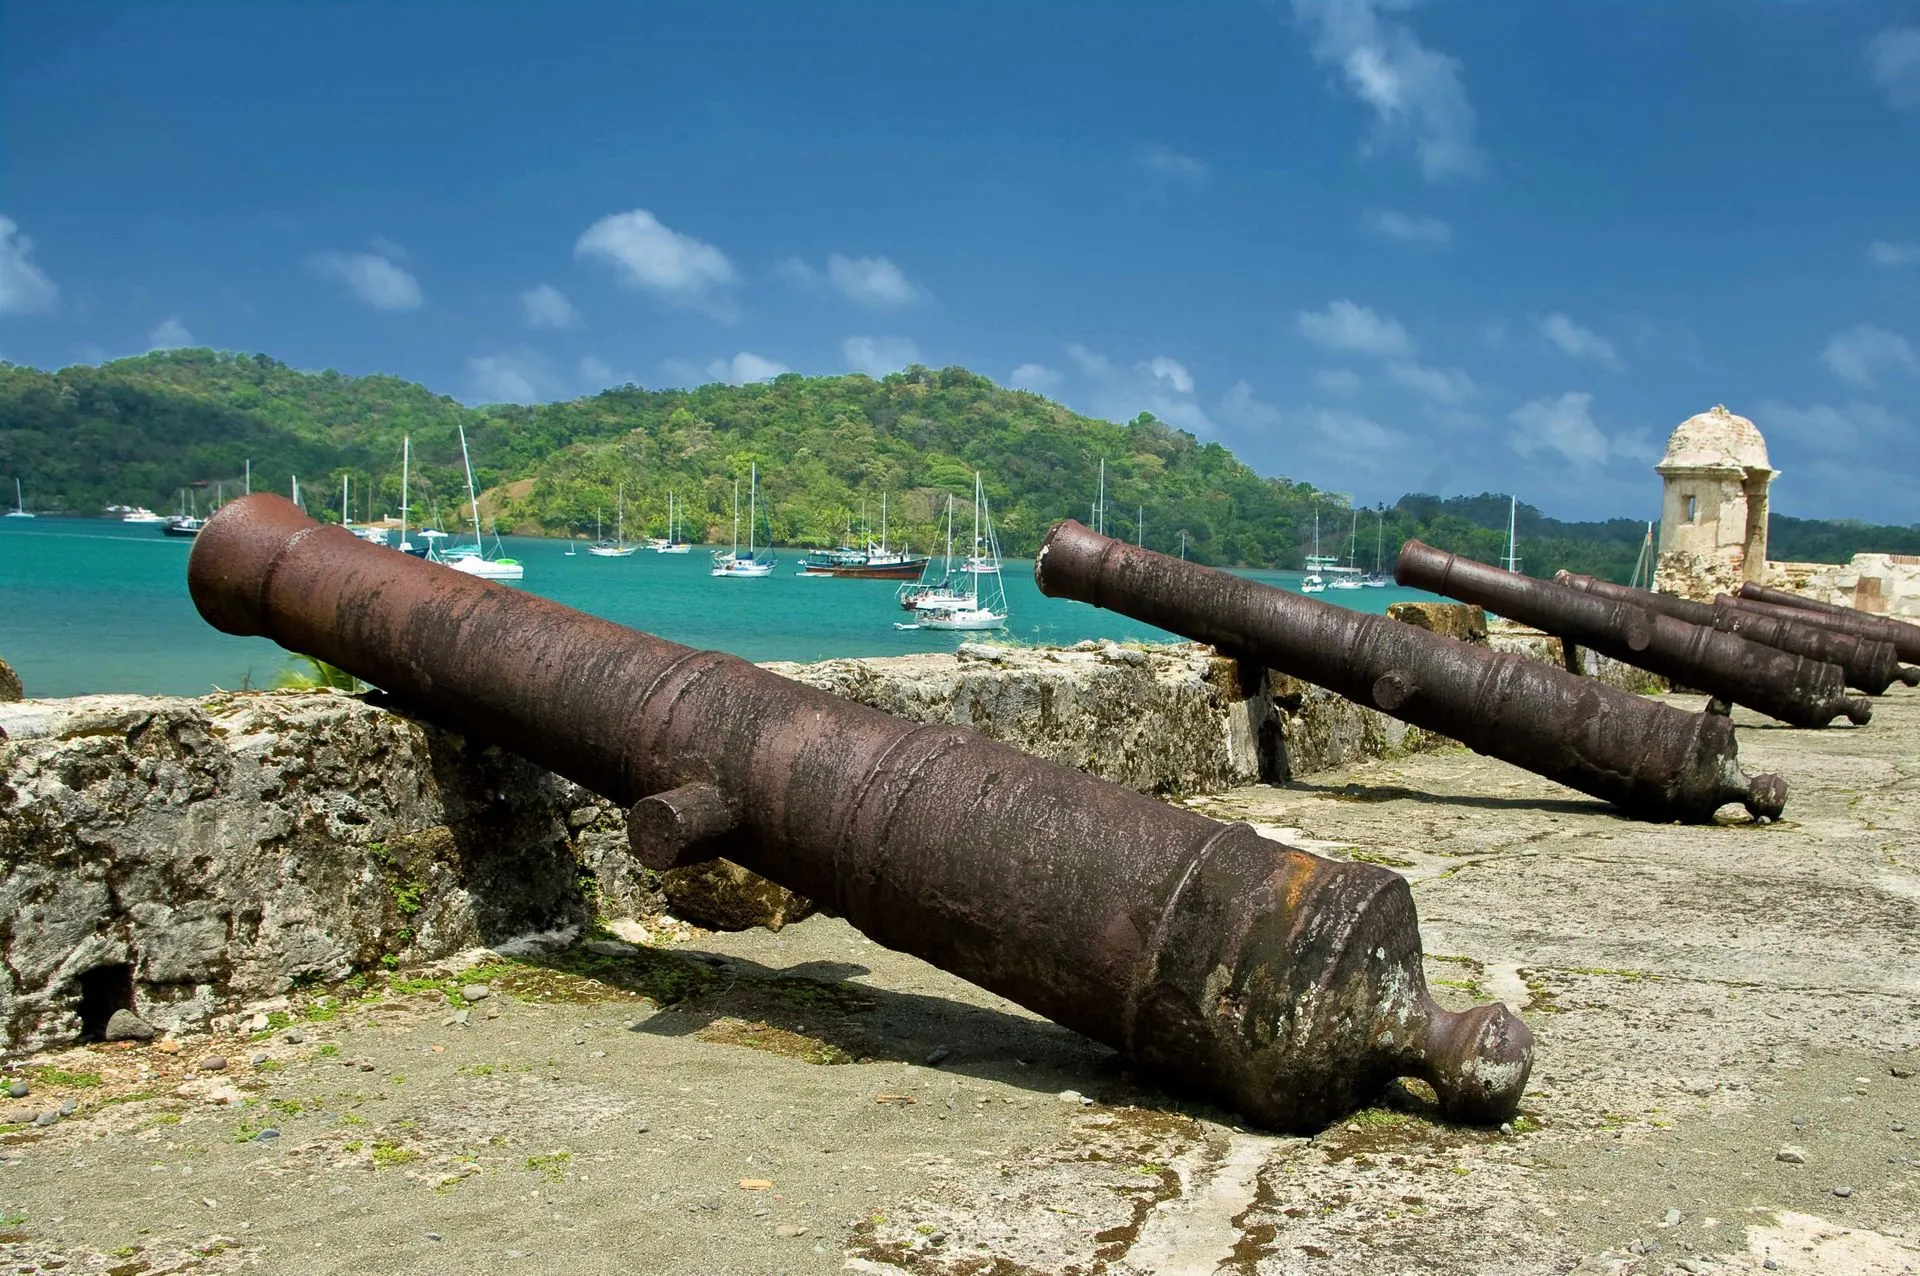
(1868, 665)
(1651, 760)
(1285, 985)
(1805, 693)
(1904, 637)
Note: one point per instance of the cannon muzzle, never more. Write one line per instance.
(1285, 985)
(1651, 760)
(1868, 665)
(1805, 693)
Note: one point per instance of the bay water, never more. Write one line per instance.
(95, 605)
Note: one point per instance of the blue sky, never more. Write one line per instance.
(1376, 245)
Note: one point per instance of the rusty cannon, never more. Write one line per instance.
(1904, 637)
(1867, 665)
(1651, 760)
(1805, 693)
(1287, 986)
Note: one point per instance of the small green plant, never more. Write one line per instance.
(309, 674)
(553, 1165)
(77, 1080)
(328, 1051)
(124, 1251)
(11, 1218)
(353, 1145)
(387, 1153)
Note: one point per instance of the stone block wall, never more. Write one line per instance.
(1884, 584)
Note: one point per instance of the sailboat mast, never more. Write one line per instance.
(947, 570)
(473, 500)
(1140, 526)
(975, 589)
(345, 509)
(249, 476)
(883, 522)
(753, 502)
(406, 474)
(1100, 506)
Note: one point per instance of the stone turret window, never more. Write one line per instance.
(1693, 509)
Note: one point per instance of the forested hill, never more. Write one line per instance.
(139, 431)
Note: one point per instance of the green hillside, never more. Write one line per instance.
(145, 430)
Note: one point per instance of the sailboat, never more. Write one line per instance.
(183, 524)
(617, 547)
(370, 534)
(404, 545)
(473, 559)
(673, 544)
(873, 562)
(984, 563)
(19, 509)
(1313, 582)
(1644, 563)
(935, 593)
(1373, 579)
(979, 609)
(1347, 577)
(750, 565)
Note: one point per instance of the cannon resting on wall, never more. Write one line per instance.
(1286, 986)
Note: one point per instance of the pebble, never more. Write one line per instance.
(609, 948)
(1771, 1264)
(124, 1025)
(1899, 1127)
(268, 1133)
(433, 1236)
(1843, 1192)
(1900, 1070)
(262, 1057)
(476, 992)
(1791, 1155)
(69, 1107)
(295, 1038)
(1070, 1096)
(214, 1063)
(46, 1118)
(1799, 1120)
(458, 1019)
(789, 1231)
(1672, 1219)
(938, 1056)
(938, 1238)
(599, 1054)
(19, 1089)
(493, 1012)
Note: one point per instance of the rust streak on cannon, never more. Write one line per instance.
(1653, 761)
(1285, 985)
(1868, 665)
(1805, 693)
(1904, 637)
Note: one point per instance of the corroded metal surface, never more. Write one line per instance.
(1653, 761)
(1867, 664)
(1904, 637)
(1806, 693)
(1283, 984)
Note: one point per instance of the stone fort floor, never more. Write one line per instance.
(1726, 1024)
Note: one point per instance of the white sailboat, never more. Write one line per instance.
(979, 610)
(19, 509)
(987, 564)
(472, 559)
(1313, 582)
(617, 547)
(935, 593)
(750, 565)
(671, 542)
(1347, 577)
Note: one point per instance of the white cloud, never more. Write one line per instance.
(878, 356)
(372, 278)
(1415, 93)
(1408, 227)
(1442, 385)
(1890, 255)
(1337, 380)
(1035, 377)
(1893, 59)
(1172, 371)
(871, 281)
(1579, 342)
(1242, 408)
(512, 376)
(745, 367)
(170, 334)
(544, 306)
(1823, 426)
(387, 248)
(647, 256)
(595, 373)
(1351, 433)
(1861, 353)
(1091, 365)
(1165, 162)
(1347, 326)
(24, 288)
(1563, 425)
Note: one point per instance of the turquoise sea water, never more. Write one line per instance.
(91, 605)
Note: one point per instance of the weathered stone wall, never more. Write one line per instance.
(1885, 584)
(229, 848)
